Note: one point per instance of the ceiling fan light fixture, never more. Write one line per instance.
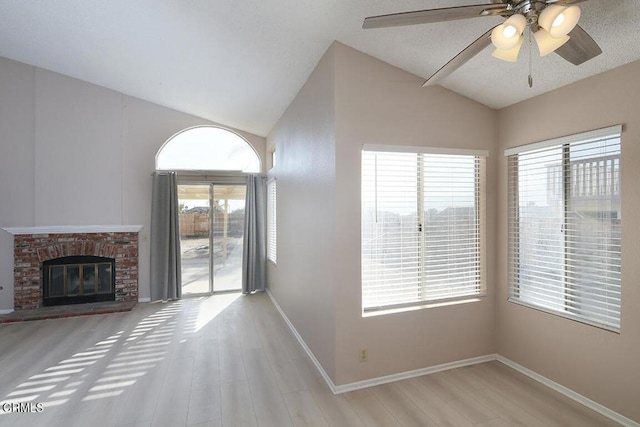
(559, 20)
(507, 35)
(546, 43)
(509, 55)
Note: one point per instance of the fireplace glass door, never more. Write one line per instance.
(211, 237)
(78, 279)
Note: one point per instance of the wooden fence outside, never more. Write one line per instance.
(198, 224)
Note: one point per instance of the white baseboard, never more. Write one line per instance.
(620, 419)
(306, 348)
(412, 374)
(344, 388)
(148, 299)
(6, 310)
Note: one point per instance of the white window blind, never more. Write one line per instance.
(564, 227)
(271, 221)
(422, 216)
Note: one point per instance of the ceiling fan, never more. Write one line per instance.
(552, 23)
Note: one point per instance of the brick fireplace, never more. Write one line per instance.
(35, 245)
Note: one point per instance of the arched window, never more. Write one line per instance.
(207, 148)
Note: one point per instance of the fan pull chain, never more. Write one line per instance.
(530, 59)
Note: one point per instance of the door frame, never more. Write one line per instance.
(198, 178)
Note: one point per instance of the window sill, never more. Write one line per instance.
(425, 305)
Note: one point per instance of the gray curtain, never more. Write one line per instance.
(254, 255)
(165, 238)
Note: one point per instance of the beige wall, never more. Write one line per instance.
(352, 99)
(600, 365)
(377, 103)
(17, 134)
(304, 279)
(61, 139)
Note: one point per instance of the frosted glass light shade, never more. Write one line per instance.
(559, 20)
(507, 35)
(509, 55)
(546, 43)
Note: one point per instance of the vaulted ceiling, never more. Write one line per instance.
(241, 62)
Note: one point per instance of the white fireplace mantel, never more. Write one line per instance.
(68, 229)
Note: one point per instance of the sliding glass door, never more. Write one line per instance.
(211, 237)
(228, 235)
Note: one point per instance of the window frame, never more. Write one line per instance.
(514, 235)
(272, 222)
(479, 196)
(209, 139)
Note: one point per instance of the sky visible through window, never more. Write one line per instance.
(208, 148)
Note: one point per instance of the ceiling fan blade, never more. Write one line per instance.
(460, 59)
(433, 15)
(580, 48)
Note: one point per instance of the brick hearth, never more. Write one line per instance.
(31, 250)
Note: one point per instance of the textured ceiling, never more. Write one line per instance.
(241, 63)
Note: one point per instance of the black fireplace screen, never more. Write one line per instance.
(78, 279)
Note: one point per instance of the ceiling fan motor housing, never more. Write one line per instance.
(530, 9)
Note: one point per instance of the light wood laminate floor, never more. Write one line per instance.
(230, 360)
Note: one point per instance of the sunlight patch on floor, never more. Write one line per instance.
(212, 307)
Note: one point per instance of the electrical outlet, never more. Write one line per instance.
(364, 355)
